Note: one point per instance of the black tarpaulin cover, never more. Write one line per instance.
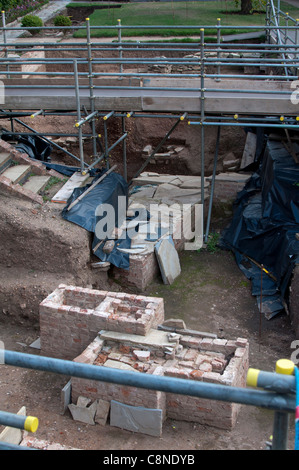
(87, 213)
(33, 145)
(264, 226)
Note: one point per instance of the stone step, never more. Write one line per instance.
(36, 183)
(5, 161)
(17, 173)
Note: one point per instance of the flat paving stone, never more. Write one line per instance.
(137, 419)
(168, 260)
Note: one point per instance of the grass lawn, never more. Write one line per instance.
(188, 13)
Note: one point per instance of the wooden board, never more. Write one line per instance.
(76, 180)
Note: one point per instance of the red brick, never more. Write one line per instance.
(124, 349)
(196, 374)
(101, 359)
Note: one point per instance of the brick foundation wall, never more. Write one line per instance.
(143, 270)
(223, 362)
(94, 389)
(210, 412)
(120, 331)
(71, 317)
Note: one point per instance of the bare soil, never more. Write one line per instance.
(210, 295)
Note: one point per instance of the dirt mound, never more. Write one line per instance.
(40, 250)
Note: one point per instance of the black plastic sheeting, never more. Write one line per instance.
(263, 230)
(64, 169)
(39, 149)
(87, 214)
(70, 170)
(34, 146)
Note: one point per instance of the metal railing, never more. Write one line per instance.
(201, 67)
(17, 421)
(278, 392)
(281, 20)
(282, 34)
(85, 65)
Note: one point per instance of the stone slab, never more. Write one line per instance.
(83, 402)
(36, 344)
(36, 183)
(146, 192)
(142, 355)
(17, 172)
(102, 412)
(151, 178)
(154, 338)
(83, 414)
(177, 194)
(5, 159)
(193, 183)
(249, 150)
(176, 323)
(66, 396)
(232, 177)
(168, 260)
(119, 365)
(136, 419)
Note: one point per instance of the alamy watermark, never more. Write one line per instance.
(2, 361)
(295, 355)
(295, 94)
(2, 92)
(181, 221)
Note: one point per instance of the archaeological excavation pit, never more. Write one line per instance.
(121, 331)
(129, 332)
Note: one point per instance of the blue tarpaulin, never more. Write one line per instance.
(87, 214)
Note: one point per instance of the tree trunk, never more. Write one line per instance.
(246, 7)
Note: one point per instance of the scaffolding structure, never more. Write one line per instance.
(276, 391)
(204, 71)
(205, 67)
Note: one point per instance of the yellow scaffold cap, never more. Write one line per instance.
(284, 366)
(31, 424)
(252, 376)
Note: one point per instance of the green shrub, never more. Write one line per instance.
(30, 21)
(62, 20)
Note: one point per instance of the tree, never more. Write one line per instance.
(246, 7)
